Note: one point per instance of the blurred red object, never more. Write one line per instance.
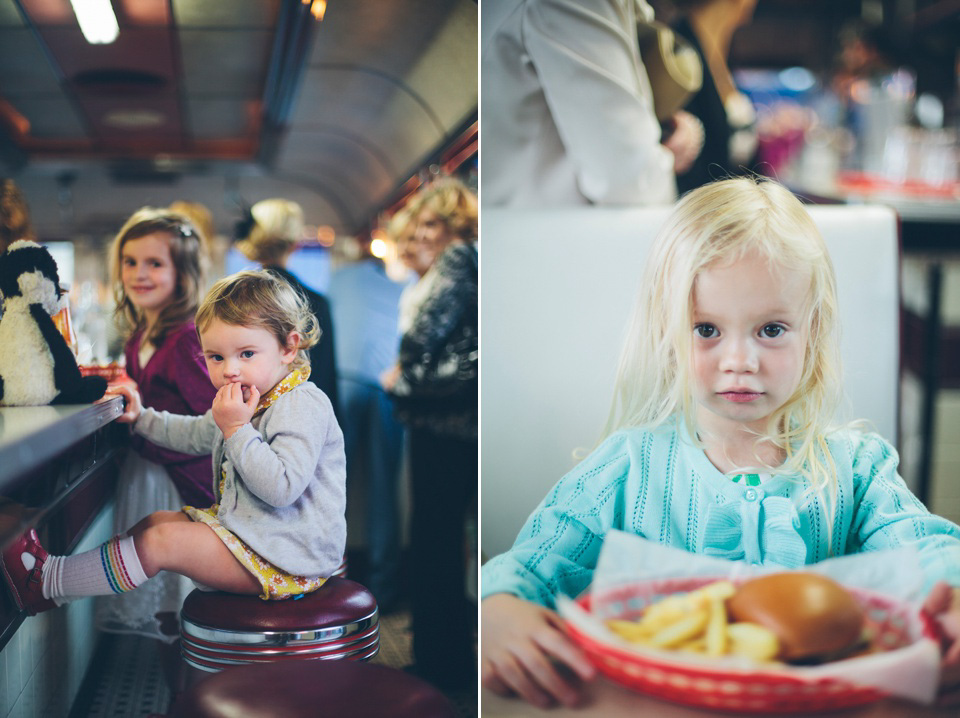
(113, 372)
(868, 184)
(64, 325)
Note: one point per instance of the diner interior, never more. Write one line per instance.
(347, 108)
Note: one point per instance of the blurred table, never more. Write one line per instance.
(929, 216)
(929, 231)
(608, 700)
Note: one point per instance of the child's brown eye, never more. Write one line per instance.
(705, 331)
(772, 331)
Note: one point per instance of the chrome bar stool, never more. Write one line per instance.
(218, 630)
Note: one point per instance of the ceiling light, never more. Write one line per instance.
(318, 8)
(134, 119)
(97, 21)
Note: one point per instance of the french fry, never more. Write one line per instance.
(721, 590)
(716, 634)
(752, 641)
(665, 612)
(680, 631)
(696, 622)
(630, 630)
(694, 645)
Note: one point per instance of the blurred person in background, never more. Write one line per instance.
(866, 54)
(268, 235)
(418, 258)
(200, 216)
(364, 302)
(14, 215)
(568, 115)
(728, 116)
(435, 388)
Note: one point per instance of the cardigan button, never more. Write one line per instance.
(750, 495)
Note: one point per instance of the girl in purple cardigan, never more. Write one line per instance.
(156, 271)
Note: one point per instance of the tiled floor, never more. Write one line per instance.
(127, 680)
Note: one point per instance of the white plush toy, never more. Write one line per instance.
(36, 365)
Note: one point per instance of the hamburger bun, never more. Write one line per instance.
(814, 617)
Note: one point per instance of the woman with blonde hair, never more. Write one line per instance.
(434, 388)
(268, 235)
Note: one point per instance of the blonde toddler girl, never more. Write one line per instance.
(277, 528)
(721, 439)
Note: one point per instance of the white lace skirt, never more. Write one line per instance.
(143, 487)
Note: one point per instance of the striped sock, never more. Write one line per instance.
(112, 568)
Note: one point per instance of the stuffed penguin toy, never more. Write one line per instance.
(36, 365)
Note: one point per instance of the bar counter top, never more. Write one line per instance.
(58, 470)
(31, 435)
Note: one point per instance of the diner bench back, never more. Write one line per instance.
(557, 289)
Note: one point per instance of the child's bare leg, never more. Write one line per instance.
(166, 540)
(157, 517)
(170, 541)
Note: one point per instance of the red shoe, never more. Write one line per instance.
(26, 585)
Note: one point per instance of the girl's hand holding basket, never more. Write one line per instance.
(943, 605)
(526, 652)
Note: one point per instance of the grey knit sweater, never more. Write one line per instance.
(284, 493)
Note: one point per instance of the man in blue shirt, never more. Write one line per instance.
(364, 303)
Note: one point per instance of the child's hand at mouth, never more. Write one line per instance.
(233, 406)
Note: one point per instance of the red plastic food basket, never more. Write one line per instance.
(725, 687)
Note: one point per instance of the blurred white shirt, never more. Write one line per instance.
(567, 112)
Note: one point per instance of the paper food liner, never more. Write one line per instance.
(910, 672)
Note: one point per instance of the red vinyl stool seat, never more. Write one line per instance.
(306, 689)
(337, 621)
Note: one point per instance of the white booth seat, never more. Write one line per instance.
(558, 287)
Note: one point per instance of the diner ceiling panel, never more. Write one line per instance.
(397, 125)
(9, 16)
(232, 14)
(251, 93)
(214, 118)
(435, 76)
(242, 59)
(51, 117)
(23, 65)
